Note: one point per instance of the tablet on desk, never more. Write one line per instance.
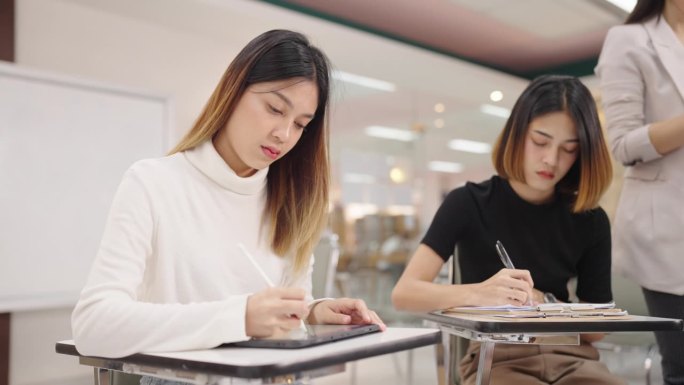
(313, 335)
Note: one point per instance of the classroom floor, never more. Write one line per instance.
(388, 369)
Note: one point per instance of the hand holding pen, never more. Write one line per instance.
(509, 285)
(276, 310)
(506, 260)
(342, 311)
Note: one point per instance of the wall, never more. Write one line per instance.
(64, 37)
(69, 38)
(32, 350)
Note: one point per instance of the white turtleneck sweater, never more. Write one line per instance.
(168, 275)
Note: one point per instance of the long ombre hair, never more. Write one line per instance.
(590, 175)
(644, 10)
(297, 185)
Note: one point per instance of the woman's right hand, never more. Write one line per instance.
(275, 311)
(507, 287)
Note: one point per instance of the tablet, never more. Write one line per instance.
(313, 335)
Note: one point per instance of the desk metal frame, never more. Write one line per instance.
(491, 331)
(103, 367)
(178, 367)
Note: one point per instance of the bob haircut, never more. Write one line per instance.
(644, 10)
(297, 185)
(590, 175)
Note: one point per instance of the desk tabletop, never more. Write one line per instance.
(260, 363)
(484, 324)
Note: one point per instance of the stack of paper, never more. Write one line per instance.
(572, 310)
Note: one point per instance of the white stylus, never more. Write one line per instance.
(263, 274)
(256, 265)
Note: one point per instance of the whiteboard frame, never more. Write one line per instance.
(66, 299)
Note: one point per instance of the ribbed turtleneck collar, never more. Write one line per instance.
(206, 159)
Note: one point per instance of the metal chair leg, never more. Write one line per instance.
(648, 362)
(484, 367)
(101, 376)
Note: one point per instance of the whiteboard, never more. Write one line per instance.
(64, 146)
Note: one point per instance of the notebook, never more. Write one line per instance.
(313, 335)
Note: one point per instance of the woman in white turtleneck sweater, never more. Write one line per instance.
(254, 171)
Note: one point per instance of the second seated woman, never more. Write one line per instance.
(552, 167)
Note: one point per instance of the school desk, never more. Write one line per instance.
(247, 365)
(540, 331)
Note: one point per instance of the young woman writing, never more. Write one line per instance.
(253, 171)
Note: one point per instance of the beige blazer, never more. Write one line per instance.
(641, 72)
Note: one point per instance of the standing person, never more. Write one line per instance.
(553, 166)
(641, 71)
(253, 171)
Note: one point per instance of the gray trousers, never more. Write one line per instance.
(671, 344)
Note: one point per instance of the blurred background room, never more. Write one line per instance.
(421, 89)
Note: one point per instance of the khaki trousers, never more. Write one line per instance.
(539, 364)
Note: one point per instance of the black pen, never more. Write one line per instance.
(504, 255)
(507, 261)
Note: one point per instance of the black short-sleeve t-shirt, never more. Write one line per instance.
(549, 240)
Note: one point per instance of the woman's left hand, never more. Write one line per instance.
(344, 311)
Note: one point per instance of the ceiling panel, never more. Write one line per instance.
(521, 37)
